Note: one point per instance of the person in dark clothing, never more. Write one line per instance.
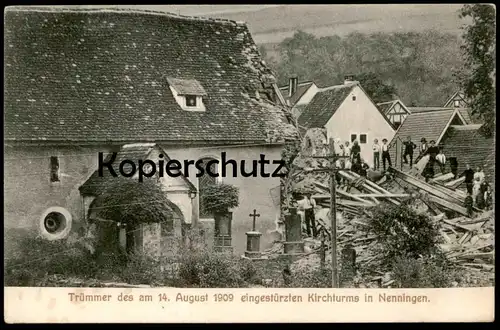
(488, 198)
(356, 163)
(423, 146)
(432, 151)
(385, 154)
(469, 178)
(454, 166)
(409, 146)
(469, 204)
(364, 169)
(356, 148)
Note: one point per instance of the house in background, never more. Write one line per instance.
(297, 94)
(348, 113)
(79, 82)
(396, 111)
(431, 125)
(457, 100)
(469, 146)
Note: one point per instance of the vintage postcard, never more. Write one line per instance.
(288, 163)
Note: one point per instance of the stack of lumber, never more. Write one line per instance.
(358, 194)
(440, 197)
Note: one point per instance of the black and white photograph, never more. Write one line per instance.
(250, 146)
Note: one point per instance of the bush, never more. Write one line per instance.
(315, 278)
(37, 259)
(402, 232)
(427, 272)
(220, 197)
(207, 269)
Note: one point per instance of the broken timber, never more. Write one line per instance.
(437, 195)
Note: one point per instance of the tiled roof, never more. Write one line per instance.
(324, 105)
(429, 125)
(301, 89)
(93, 75)
(427, 109)
(463, 111)
(469, 146)
(96, 184)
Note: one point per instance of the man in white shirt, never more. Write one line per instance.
(307, 205)
(441, 160)
(376, 155)
(479, 175)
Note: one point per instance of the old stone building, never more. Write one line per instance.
(83, 81)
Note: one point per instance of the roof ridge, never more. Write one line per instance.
(123, 10)
(387, 102)
(329, 88)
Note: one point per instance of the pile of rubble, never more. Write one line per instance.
(468, 242)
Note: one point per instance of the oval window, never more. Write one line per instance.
(55, 223)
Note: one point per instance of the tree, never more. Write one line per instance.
(479, 53)
(376, 88)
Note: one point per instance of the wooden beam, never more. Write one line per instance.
(444, 177)
(369, 186)
(455, 183)
(448, 205)
(384, 195)
(433, 190)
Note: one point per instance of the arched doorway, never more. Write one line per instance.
(157, 239)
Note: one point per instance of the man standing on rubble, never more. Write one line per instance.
(432, 151)
(469, 178)
(308, 204)
(409, 146)
(376, 155)
(385, 154)
(441, 160)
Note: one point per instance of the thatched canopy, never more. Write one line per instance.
(132, 202)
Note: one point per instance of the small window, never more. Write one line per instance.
(457, 104)
(362, 138)
(353, 137)
(354, 97)
(54, 169)
(191, 101)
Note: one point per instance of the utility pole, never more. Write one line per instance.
(333, 213)
(332, 157)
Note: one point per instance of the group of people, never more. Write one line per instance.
(478, 190)
(381, 150)
(351, 159)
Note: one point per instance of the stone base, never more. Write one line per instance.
(255, 259)
(293, 247)
(222, 241)
(223, 249)
(253, 254)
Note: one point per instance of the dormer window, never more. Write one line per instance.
(190, 100)
(188, 93)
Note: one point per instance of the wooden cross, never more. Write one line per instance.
(254, 215)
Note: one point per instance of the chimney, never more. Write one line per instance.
(292, 85)
(348, 79)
